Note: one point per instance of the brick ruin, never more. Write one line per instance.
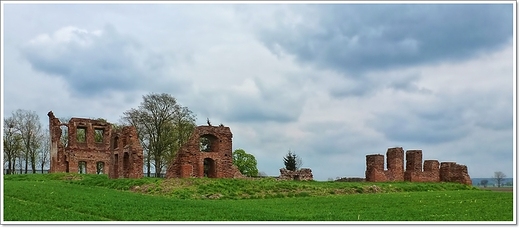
(304, 174)
(415, 171)
(94, 147)
(208, 153)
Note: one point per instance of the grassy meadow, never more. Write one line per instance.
(74, 197)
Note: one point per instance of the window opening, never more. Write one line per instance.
(98, 135)
(100, 166)
(81, 134)
(82, 167)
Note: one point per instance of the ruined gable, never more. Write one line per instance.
(207, 153)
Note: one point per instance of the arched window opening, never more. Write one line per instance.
(208, 143)
(209, 168)
(64, 138)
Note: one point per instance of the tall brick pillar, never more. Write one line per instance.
(395, 164)
(375, 168)
(413, 165)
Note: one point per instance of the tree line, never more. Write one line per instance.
(498, 176)
(25, 142)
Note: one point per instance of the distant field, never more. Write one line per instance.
(491, 181)
(501, 189)
(50, 197)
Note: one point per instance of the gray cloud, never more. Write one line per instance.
(358, 87)
(93, 62)
(355, 38)
(277, 103)
(493, 112)
(449, 117)
(427, 129)
(337, 137)
(408, 84)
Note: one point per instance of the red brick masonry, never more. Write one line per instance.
(215, 161)
(115, 152)
(415, 172)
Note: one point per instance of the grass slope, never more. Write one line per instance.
(65, 197)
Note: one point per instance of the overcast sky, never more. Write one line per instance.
(331, 82)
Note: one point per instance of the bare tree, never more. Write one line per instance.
(28, 124)
(44, 152)
(484, 182)
(499, 177)
(21, 161)
(299, 162)
(162, 126)
(12, 144)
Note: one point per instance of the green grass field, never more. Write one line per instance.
(66, 197)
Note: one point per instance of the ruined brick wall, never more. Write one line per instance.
(304, 174)
(127, 154)
(395, 164)
(375, 168)
(453, 172)
(415, 171)
(413, 165)
(215, 161)
(88, 148)
(431, 172)
(58, 161)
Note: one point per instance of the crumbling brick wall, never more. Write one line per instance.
(375, 168)
(376, 163)
(58, 161)
(415, 171)
(395, 164)
(453, 172)
(431, 172)
(214, 161)
(88, 149)
(413, 165)
(127, 154)
(304, 174)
